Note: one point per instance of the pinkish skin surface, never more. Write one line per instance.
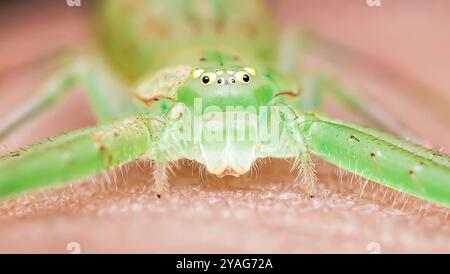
(263, 213)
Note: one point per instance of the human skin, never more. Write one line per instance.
(261, 212)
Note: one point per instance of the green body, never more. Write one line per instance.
(165, 49)
(139, 37)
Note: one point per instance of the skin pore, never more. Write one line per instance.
(259, 212)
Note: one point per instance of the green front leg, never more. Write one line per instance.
(380, 157)
(75, 155)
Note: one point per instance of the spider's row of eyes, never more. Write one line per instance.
(241, 76)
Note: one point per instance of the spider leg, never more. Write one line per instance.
(315, 86)
(107, 96)
(380, 157)
(169, 146)
(303, 163)
(76, 155)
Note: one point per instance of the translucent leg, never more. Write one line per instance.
(107, 96)
(317, 86)
(168, 142)
(303, 164)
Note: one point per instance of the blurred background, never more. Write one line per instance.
(395, 55)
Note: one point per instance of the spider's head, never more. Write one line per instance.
(223, 81)
(228, 97)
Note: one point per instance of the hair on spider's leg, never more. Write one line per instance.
(352, 179)
(372, 187)
(342, 182)
(394, 203)
(384, 196)
(307, 173)
(151, 163)
(303, 161)
(127, 169)
(178, 164)
(120, 168)
(363, 188)
(375, 191)
(72, 191)
(254, 168)
(107, 180)
(256, 165)
(405, 202)
(172, 166)
(114, 179)
(139, 165)
(115, 176)
(428, 208)
(295, 165)
(92, 181)
(193, 165)
(205, 171)
(160, 177)
(199, 168)
(144, 163)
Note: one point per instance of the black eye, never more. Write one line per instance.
(207, 78)
(219, 81)
(242, 77)
(232, 80)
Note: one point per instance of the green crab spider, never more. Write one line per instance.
(215, 99)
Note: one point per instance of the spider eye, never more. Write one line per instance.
(197, 72)
(243, 77)
(230, 71)
(252, 71)
(208, 78)
(220, 81)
